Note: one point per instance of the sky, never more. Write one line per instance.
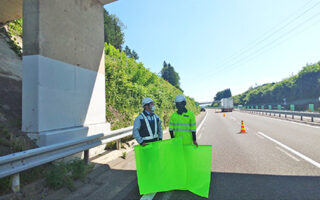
(219, 44)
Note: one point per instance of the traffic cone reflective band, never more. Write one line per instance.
(243, 129)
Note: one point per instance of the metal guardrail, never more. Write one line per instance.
(14, 163)
(286, 112)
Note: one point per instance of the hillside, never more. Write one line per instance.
(300, 89)
(128, 82)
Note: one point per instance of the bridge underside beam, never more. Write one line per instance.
(12, 9)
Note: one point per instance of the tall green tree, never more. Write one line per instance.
(134, 55)
(131, 54)
(169, 74)
(223, 94)
(113, 30)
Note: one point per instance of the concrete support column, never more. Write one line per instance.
(63, 70)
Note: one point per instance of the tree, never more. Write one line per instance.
(127, 51)
(169, 74)
(131, 54)
(134, 55)
(223, 94)
(113, 28)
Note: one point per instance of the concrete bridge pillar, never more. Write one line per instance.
(63, 70)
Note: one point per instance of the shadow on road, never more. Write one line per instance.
(234, 186)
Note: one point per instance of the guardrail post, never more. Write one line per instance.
(285, 115)
(292, 116)
(86, 156)
(15, 185)
(301, 118)
(311, 119)
(279, 115)
(118, 144)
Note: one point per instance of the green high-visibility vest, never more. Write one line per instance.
(183, 125)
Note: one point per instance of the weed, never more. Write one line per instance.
(124, 155)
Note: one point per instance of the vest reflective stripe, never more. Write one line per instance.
(151, 135)
(180, 129)
(181, 124)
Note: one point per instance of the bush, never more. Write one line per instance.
(62, 174)
(128, 82)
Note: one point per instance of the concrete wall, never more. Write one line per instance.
(63, 70)
(10, 10)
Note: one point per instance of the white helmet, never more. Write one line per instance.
(179, 98)
(146, 100)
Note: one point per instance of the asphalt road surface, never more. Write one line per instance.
(275, 159)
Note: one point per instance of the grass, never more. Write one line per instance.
(63, 174)
(124, 155)
(56, 175)
(25, 178)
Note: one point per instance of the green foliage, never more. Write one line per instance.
(26, 177)
(5, 185)
(113, 30)
(124, 155)
(128, 82)
(169, 74)
(304, 85)
(15, 27)
(62, 174)
(223, 94)
(131, 54)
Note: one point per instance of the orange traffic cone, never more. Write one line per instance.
(243, 129)
(224, 114)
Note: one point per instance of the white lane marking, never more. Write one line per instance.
(260, 136)
(277, 119)
(148, 196)
(199, 127)
(292, 150)
(288, 154)
(151, 196)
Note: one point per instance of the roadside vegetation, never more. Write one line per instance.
(300, 89)
(128, 82)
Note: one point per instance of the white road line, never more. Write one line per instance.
(288, 154)
(199, 127)
(148, 196)
(151, 196)
(260, 136)
(277, 119)
(292, 150)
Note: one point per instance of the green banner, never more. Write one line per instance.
(311, 107)
(270, 107)
(169, 165)
(262, 107)
(292, 107)
(257, 107)
(279, 107)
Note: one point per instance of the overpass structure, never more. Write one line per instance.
(205, 103)
(63, 78)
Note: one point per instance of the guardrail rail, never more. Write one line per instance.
(15, 163)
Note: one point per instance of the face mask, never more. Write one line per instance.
(153, 108)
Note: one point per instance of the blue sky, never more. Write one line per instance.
(218, 44)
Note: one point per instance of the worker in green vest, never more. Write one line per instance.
(183, 122)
